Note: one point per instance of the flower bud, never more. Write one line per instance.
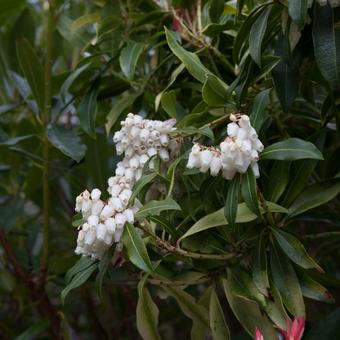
(215, 165)
(128, 214)
(164, 139)
(90, 237)
(134, 163)
(144, 135)
(101, 232)
(120, 220)
(164, 155)
(110, 225)
(116, 203)
(95, 194)
(97, 207)
(107, 211)
(93, 220)
(232, 129)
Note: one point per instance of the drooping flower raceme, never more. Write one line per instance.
(235, 154)
(139, 139)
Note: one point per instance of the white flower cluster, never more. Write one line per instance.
(236, 153)
(332, 3)
(139, 139)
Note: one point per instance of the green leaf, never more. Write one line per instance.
(8, 8)
(122, 104)
(135, 248)
(278, 180)
(67, 141)
(326, 40)
(140, 184)
(77, 280)
(102, 269)
(291, 149)
(168, 227)
(129, 56)
(218, 324)
(215, 91)
(190, 130)
(156, 207)
(260, 274)
(147, 314)
(83, 263)
(216, 9)
(326, 328)
(257, 32)
(189, 306)
(217, 218)
(171, 173)
(287, 283)
(189, 59)
(249, 191)
(314, 196)
(259, 114)
(34, 331)
(33, 70)
(294, 249)
(168, 101)
(297, 10)
(313, 289)
(248, 313)
(231, 203)
(88, 111)
(84, 20)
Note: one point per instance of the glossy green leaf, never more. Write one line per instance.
(147, 314)
(88, 111)
(135, 248)
(8, 8)
(218, 324)
(189, 59)
(314, 196)
(32, 70)
(326, 41)
(278, 180)
(67, 141)
(118, 108)
(156, 207)
(217, 218)
(294, 249)
(258, 113)
(129, 56)
(248, 313)
(214, 91)
(291, 149)
(168, 101)
(260, 274)
(80, 265)
(140, 184)
(78, 279)
(189, 131)
(216, 9)
(286, 282)
(297, 10)
(313, 289)
(188, 305)
(249, 191)
(257, 32)
(83, 21)
(231, 202)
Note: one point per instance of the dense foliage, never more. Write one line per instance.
(204, 256)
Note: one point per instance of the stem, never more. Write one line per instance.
(199, 17)
(45, 119)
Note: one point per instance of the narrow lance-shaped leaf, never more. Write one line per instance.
(147, 314)
(214, 91)
(231, 203)
(315, 195)
(326, 41)
(32, 69)
(313, 289)
(168, 101)
(287, 283)
(140, 184)
(67, 142)
(291, 149)
(189, 306)
(218, 324)
(129, 57)
(135, 248)
(259, 114)
(297, 10)
(256, 36)
(248, 313)
(189, 59)
(216, 9)
(249, 191)
(260, 274)
(294, 249)
(88, 111)
(156, 207)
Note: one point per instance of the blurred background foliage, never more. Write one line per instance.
(71, 70)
